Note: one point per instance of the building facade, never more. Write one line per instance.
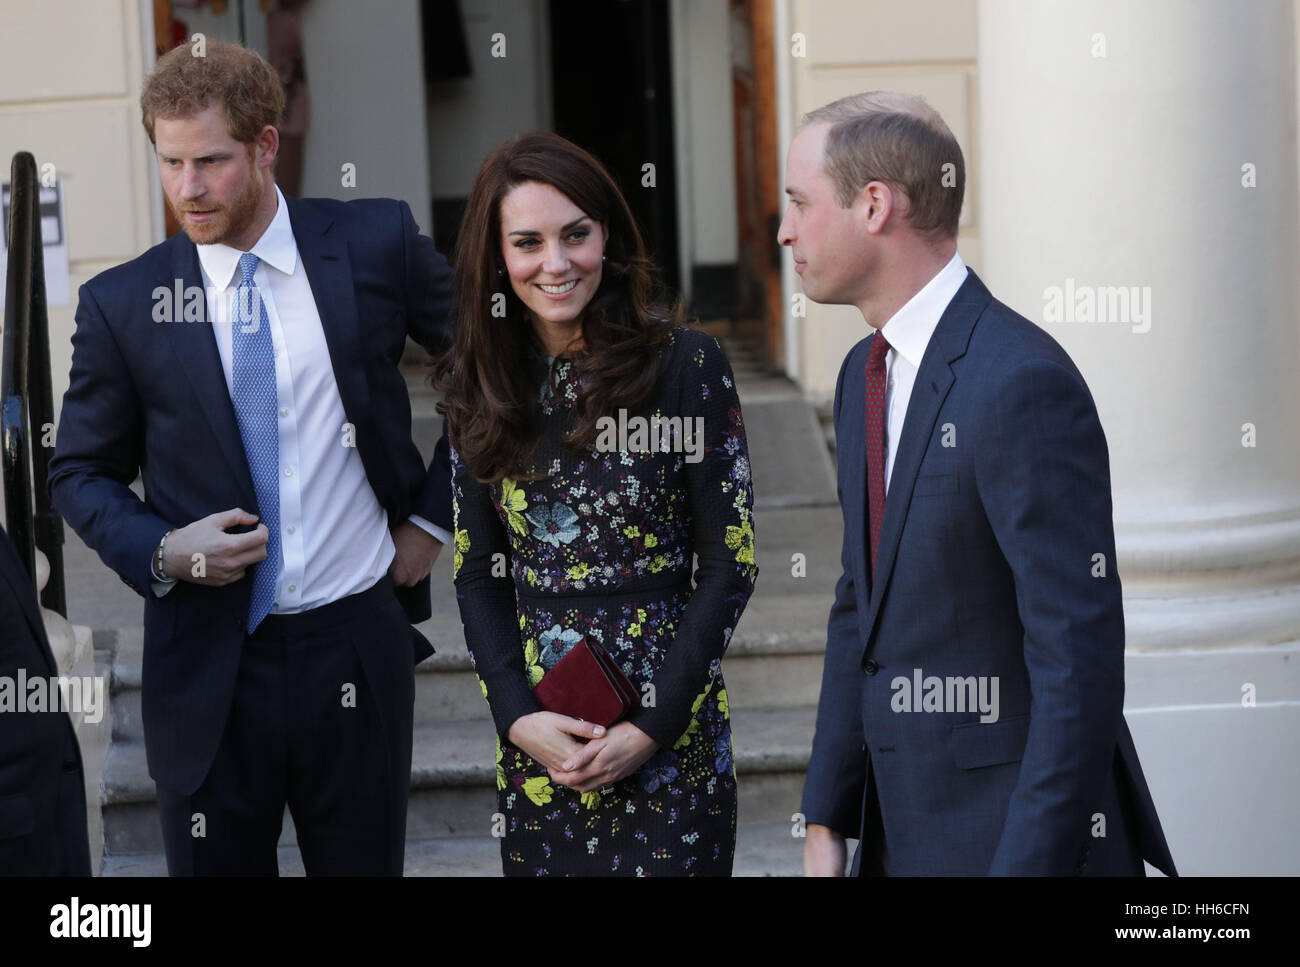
(1133, 187)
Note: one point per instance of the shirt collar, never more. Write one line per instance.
(909, 330)
(277, 248)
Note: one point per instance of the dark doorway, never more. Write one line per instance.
(612, 93)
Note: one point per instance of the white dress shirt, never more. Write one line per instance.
(334, 534)
(908, 332)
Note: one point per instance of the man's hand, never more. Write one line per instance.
(225, 557)
(824, 852)
(604, 761)
(550, 738)
(417, 549)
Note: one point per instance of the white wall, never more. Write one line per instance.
(703, 129)
(70, 79)
(366, 83)
(1223, 775)
(504, 96)
(925, 47)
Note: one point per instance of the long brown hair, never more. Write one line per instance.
(491, 374)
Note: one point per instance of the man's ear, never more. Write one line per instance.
(876, 201)
(266, 147)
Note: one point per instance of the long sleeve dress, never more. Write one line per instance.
(602, 547)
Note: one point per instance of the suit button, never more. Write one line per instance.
(870, 666)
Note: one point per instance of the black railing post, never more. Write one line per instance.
(26, 395)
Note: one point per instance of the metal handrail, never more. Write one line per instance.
(26, 395)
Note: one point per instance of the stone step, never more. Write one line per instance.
(788, 446)
(795, 491)
(798, 558)
(768, 665)
(453, 779)
(774, 661)
(788, 454)
(762, 849)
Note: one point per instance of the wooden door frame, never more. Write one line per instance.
(760, 17)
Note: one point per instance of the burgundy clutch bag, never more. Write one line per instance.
(586, 684)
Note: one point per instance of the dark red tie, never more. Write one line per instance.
(876, 439)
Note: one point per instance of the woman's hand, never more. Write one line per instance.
(552, 739)
(604, 761)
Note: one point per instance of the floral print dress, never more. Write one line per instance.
(602, 547)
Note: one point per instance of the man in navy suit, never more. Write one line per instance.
(248, 371)
(970, 719)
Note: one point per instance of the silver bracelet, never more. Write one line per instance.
(162, 575)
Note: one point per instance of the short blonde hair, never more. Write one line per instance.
(902, 141)
(238, 79)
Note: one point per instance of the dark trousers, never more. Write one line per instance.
(321, 721)
(872, 858)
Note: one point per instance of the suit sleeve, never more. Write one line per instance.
(487, 600)
(1043, 475)
(837, 769)
(98, 452)
(721, 501)
(428, 288)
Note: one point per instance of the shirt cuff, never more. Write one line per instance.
(433, 530)
(161, 585)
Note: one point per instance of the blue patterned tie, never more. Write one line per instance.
(253, 393)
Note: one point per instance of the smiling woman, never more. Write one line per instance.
(555, 265)
(555, 334)
(546, 217)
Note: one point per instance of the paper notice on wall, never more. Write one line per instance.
(54, 238)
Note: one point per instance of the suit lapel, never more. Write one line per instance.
(934, 380)
(854, 455)
(328, 266)
(195, 345)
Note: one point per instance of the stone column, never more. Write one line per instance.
(1138, 179)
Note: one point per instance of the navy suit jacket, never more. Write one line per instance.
(998, 502)
(42, 785)
(151, 398)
